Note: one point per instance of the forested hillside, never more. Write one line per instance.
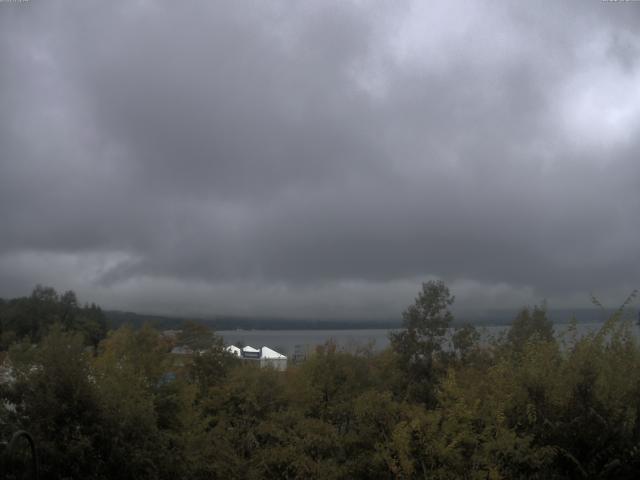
(30, 318)
(528, 405)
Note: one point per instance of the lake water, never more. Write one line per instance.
(287, 341)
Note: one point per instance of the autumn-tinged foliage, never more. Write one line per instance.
(438, 404)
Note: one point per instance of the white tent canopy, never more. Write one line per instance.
(232, 349)
(267, 356)
(271, 354)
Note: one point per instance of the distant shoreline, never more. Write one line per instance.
(497, 318)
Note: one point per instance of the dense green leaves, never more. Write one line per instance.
(30, 318)
(419, 345)
(439, 404)
(530, 325)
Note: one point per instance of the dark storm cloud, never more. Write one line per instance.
(318, 158)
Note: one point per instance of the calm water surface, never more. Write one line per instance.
(286, 341)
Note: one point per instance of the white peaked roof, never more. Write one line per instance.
(268, 353)
(232, 349)
(265, 352)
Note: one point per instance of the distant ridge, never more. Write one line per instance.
(118, 318)
(495, 317)
(556, 315)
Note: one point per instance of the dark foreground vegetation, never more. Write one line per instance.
(117, 405)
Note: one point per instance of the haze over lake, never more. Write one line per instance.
(286, 341)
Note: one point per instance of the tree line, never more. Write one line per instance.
(527, 404)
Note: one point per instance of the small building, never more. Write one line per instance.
(233, 350)
(172, 334)
(300, 354)
(267, 357)
(250, 352)
(181, 350)
(271, 358)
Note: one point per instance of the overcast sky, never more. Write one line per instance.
(319, 159)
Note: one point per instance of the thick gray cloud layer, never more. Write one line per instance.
(319, 158)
